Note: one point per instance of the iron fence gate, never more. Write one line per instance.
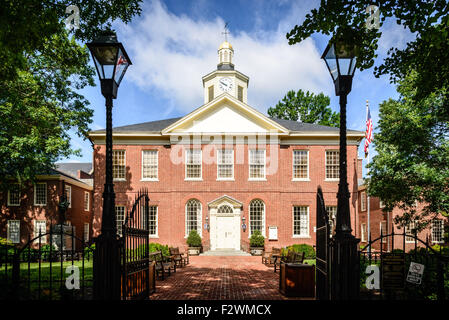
(56, 265)
(138, 279)
(322, 249)
(393, 267)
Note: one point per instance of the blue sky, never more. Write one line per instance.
(174, 43)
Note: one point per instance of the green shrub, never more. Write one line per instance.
(89, 250)
(300, 248)
(152, 247)
(194, 239)
(257, 239)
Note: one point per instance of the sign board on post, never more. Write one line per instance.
(272, 233)
(415, 273)
(393, 271)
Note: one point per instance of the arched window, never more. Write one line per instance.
(225, 209)
(256, 216)
(193, 216)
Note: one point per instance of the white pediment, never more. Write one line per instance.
(225, 114)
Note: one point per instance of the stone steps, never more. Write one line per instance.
(225, 252)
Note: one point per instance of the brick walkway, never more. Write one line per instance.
(220, 278)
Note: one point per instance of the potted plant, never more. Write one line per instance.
(256, 243)
(194, 243)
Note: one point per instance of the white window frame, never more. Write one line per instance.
(442, 231)
(307, 235)
(35, 194)
(124, 161)
(408, 232)
(325, 165)
(156, 235)
(264, 178)
(293, 165)
(86, 232)
(36, 231)
(363, 201)
(157, 166)
(201, 165)
(69, 198)
(199, 218)
(9, 196)
(120, 232)
(363, 230)
(332, 218)
(86, 203)
(218, 164)
(264, 215)
(8, 231)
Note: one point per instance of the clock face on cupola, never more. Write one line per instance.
(225, 79)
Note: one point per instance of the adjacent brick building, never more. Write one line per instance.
(226, 165)
(34, 207)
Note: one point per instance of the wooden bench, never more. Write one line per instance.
(180, 259)
(291, 257)
(267, 256)
(163, 265)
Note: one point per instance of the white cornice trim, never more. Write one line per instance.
(67, 179)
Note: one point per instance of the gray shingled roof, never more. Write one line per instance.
(159, 125)
(71, 168)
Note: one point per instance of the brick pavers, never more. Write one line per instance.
(220, 278)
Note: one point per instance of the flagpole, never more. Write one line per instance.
(367, 195)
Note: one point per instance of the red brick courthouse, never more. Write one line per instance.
(225, 164)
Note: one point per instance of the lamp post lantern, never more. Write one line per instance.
(111, 62)
(340, 58)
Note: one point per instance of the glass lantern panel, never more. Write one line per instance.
(121, 66)
(331, 61)
(344, 64)
(106, 55)
(351, 72)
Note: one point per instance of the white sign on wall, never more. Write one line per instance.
(272, 233)
(415, 273)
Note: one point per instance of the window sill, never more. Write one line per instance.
(332, 180)
(153, 237)
(149, 180)
(302, 237)
(40, 205)
(258, 179)
(193, 179)
(300, 179)
(119, 180)
(13, 205)
(225, 179)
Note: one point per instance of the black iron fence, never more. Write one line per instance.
(322, 249)
(391, 275)
(56, 265)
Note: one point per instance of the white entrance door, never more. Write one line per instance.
(225, 233)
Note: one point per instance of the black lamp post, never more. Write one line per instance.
(111, 62)
(340, 59)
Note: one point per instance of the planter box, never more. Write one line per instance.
(194, 251)
(256, 251)
(297, 280)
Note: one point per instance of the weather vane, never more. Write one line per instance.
(226, 32)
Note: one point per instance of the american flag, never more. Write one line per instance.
(369, 130)
(121, 60)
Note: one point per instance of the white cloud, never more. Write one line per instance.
(171, 53)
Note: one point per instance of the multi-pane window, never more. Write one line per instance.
(68, 194)
(256, 164)
(40, 194)
(225, 164)
(410, 231)
(120, 218)
(437, 231)
(14, 195)
(300, 221)
(363, 201)
(86, 201)
(300, 164)
(13, 232)
(149, 164)
(152, 220)
(40, 228)
(193, 164)
(364, 233)
(332, 164)
(332, 212)
(193, 216)
(383, 230)
(86, 232)
(118, 164)
(256, 216)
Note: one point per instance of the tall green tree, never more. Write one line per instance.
(412, 163)
(428, 54)
(43, 67)
(306, 107)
